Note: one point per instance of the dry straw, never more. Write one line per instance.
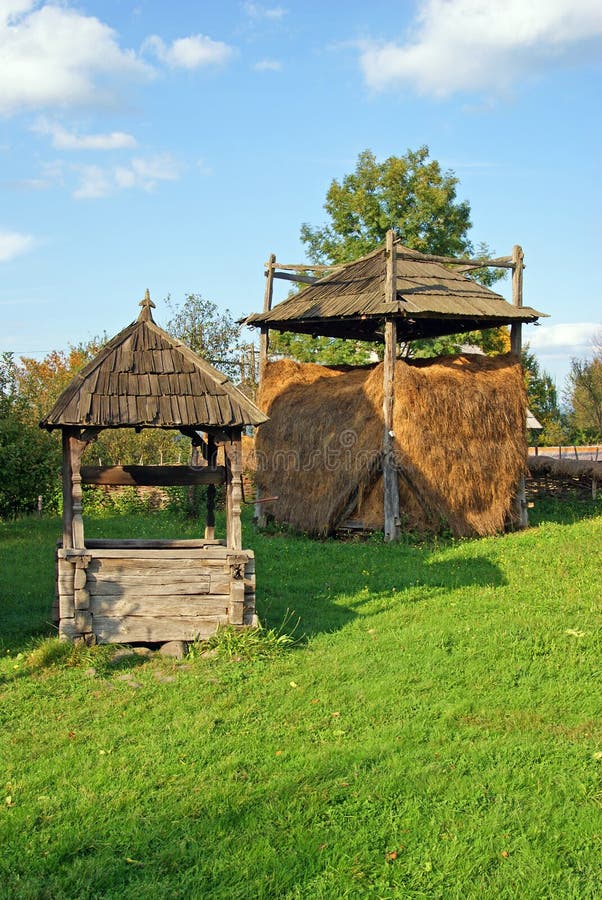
(460, 443)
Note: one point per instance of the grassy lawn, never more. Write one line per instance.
(436, 732)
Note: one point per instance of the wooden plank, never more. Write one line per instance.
(66, 605)
(131, 629)
(289, 276)
(233, 451)
(207, 554)
(152, 476)
(157, 577)
(153, 544)
(169, 606)
(140, 588)
(173, 569)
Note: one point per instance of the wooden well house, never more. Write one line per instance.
(130, 591)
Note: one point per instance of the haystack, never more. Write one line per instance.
(460, 445)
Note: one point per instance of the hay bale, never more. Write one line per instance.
(460, 443)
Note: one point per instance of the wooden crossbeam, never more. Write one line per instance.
(152, 476)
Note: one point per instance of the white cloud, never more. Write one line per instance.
(563, 339)
(67, 140)
(468, 45)
(268, 65)
(13, 244)
(189, 52)
(55, 56)
(142, 174)
(257, 11)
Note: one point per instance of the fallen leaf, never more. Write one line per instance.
(505, 854)
(391, 855)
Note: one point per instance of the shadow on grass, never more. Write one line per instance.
(327, 584)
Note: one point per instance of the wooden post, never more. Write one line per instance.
(264, 342)
(233, 449)
(211, 462)
(67, 492)
(74, 445)
(264, 345)
(522, 513)
(391, 484)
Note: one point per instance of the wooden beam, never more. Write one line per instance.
(264, 342)
(153, 476)
(306, 266)
(391, 484)
(522, 510)
(304, 279)
(501, 262)
(67, 492)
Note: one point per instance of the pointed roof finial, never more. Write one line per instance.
(146, 304)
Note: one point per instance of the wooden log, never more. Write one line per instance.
(173, 569)
(83, 621)
(169, 606)
(501, 262)
(236, 604)
(76, 448)
(290, 276)
(132, 629)
(66, 606)
(153, 476)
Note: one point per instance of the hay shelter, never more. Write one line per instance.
(152, 591)
(431, 428)
(460, 444)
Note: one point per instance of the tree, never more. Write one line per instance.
(584, 392)
(212, 333)
(409, 194)
(29, 459)
(542, 400)
(413, 196)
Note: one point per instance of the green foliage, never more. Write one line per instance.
(410, 194)
(248, 644)
(211, 332)
(324, 350)
(414, 197)
(584, 393)
(29, 459)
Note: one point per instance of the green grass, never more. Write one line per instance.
(437, 733)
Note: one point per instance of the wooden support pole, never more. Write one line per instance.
(211, 462)
(264, 342)
(77, 445)
(522, 512)
(233, 450)
(67, 492)
(391, 484)
(264, 345)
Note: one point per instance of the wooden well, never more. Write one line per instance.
(151, 591)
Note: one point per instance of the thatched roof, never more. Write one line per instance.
(431, 300)
(460, 443)
(143, 377)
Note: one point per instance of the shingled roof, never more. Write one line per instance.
(143, 377)
(431, 300)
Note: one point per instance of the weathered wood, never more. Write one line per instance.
(77, 445)
(162, 544)
(301, 267)
(521, 508)
(141, 589)
(290, 276)
(106, 605)
(211, 460)
(236, 606)
(153, 476)
(390, 481)
(209, 553)
(233, 451)
(83, 621)
(501, 262)
(129, 629)
(67, 494)
(66, 605)
(264, 346)
(173, 568)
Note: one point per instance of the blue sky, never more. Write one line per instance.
(175, 146)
